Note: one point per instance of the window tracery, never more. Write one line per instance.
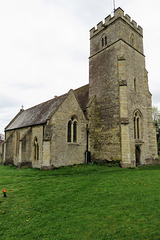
(72, 130)
(137, 125)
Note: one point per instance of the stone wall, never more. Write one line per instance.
(62, 152)
(139, 98)
(118, 79)
(9, 148)
(104, 84)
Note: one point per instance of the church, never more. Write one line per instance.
(109, 119)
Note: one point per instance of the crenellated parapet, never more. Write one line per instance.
(118, 13)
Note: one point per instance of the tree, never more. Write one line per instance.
(156, 119)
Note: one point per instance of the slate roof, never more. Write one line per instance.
(40, 113)
(82, 95)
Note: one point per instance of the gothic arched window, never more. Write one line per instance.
(137, 125)
(36, 149)
(72, 130)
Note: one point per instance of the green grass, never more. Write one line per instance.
(80, 203)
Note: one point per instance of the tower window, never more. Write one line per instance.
(104, 41)
(72, 130)
(137, 125)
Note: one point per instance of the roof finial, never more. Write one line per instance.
(22, 107)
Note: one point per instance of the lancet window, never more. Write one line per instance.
(104, 41)
(36, 149)
(137, 125)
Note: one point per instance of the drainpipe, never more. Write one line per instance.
(87, 131)
(87, 153)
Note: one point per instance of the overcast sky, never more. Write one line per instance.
(44, 47)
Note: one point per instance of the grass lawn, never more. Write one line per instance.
(80, 203)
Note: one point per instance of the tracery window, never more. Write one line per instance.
(72, 130)
(36, 149)
(137, 125)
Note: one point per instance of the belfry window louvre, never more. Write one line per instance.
(104, 41)
(72, 130)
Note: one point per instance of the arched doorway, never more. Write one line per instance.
(137, 155)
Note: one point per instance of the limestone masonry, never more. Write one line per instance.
(109, 119)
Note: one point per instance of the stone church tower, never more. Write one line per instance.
(119, 108)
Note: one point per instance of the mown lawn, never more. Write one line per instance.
(80, 203)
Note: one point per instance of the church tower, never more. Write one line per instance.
(119, 109)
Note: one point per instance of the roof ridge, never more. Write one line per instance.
(40, 113)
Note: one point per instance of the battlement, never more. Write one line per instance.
(118, 13)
